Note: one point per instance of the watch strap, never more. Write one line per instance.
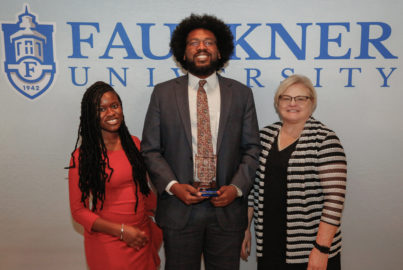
(322, 249)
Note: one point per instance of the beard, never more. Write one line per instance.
(202, 71)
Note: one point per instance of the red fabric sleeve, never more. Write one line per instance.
(82, 215)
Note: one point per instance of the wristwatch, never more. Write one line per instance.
(322, 249)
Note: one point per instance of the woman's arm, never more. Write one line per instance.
(80, 213)
(133, 236)
(92, 222)
(246, 244)
(332, 174)
(317, 259)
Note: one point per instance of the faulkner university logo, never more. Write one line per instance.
(29, 63)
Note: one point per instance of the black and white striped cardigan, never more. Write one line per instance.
(316, 185)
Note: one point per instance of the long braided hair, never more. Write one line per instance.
(93, 157)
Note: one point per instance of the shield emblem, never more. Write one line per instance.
(28, 46)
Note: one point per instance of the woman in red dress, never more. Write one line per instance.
(108, 187)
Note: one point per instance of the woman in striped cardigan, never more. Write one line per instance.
(298, 194)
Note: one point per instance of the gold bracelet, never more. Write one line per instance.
(122, 230)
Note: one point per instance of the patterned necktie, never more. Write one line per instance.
(205, 159)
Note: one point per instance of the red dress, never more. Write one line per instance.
(104, 251)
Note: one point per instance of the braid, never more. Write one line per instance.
(93, 158)
(136, 160)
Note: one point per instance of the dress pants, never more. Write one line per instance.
(202, 235)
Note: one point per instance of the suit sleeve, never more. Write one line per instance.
(160, 171)
(250, 148)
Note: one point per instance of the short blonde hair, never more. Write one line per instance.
(294, 79)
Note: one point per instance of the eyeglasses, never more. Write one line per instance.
(196, 42)
(300, 100)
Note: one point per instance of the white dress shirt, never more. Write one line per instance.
(212, 89)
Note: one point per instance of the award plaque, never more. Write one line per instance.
(206, 172)
(208, 190)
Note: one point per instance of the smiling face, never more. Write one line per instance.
(110, 113)
(201, 53)
(295, 112)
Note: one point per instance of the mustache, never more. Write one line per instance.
(199, 51)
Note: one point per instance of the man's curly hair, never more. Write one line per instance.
(221, 31)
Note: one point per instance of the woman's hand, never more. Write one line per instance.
(246, 244)
(134, 237)
(317, 260)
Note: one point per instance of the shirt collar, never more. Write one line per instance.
(212, 81)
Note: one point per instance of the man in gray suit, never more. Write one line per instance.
(192, 223)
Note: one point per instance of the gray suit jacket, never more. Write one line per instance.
(167, 149)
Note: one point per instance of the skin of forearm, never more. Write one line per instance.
(104, 226)
(250, 216)
(325, 234)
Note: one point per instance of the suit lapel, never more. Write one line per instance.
(182, 100)
(226, 100)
